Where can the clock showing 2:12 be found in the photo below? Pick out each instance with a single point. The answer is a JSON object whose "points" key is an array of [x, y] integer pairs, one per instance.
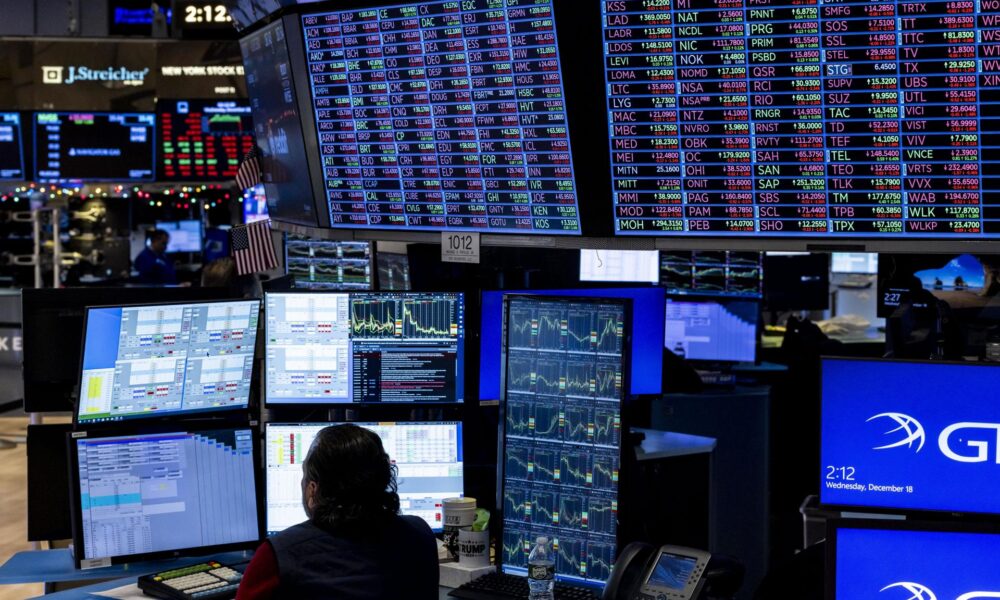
{"points": [[206, 13]]}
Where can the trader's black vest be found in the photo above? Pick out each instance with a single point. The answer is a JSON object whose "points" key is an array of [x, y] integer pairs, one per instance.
{"points": [[313, 564]]}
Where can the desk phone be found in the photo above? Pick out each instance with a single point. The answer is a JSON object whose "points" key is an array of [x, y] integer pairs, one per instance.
{"points": [[644, 572], [205, 581]]}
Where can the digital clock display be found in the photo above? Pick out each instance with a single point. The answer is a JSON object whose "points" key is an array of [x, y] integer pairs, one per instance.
{"points": [[210, 13]]}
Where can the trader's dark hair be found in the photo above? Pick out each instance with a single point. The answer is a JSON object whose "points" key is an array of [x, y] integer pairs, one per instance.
{"points": [[157, 234], [356, 481]]}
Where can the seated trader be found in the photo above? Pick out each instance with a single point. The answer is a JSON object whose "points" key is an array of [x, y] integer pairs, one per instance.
{"points": [[355, 545], [153, 264]]}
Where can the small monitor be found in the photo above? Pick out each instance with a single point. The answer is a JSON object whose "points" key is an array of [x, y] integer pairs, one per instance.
{"points": [[854, 263], [715, 330], [152, 495], [963, 282], [902, 437], [393, 271], [428, 458], [365, 348], [185, 236], [646, 374], [155, 360], [621, 266], [796, 282], [712, 273], [565, 380], [327, 264], [912, 561]]}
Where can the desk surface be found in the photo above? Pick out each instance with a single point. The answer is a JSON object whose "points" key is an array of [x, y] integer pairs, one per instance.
{"points": [[50, 566]]}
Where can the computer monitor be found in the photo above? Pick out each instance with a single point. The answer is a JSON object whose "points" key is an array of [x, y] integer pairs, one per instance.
{"points": [[428, 457], [712, 273], [854, 263], [912, 561], [714, 330], [963, 282], [646, 370], [185, 236], [95, 146], [365, 348], [155, 360], [149, 495], [565, 380], [327, 264], [53, 326], [621, 266], [796, 282], [903, 437], [48, 482], [393, 271]]}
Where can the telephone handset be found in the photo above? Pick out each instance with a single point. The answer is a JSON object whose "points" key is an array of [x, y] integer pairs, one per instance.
{"points": [[644, 572]]}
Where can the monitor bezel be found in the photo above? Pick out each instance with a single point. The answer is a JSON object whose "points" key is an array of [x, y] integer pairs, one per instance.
{"points": [[372, 265], [214, 411], [462, 367], [941, 515], [721, 300], [159, 429], [833, 527], [624, 479], [266, 437]]}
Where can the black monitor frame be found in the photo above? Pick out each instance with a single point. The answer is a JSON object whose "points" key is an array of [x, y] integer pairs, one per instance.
{"points": [[245, 411], [155, 429], [625, 481]]}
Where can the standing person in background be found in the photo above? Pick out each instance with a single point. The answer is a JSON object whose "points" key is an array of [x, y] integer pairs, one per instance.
{"points": [[153, 264]]}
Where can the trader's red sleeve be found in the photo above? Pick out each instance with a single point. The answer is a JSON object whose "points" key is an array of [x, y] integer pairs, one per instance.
{"points": [[260, 580]]}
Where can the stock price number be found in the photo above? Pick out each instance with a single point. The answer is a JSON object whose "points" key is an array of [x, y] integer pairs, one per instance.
{"points": [[839, 473]]}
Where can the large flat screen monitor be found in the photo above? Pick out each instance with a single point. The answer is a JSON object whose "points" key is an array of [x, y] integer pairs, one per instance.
{"points": [[646, 373], [365, 348], [428, 458], [203, 140], [854, 263], [799, 281], [155, 360], [565, 381], [328, 265], [95, 146], [727, 122], [11, 148], [53, 326], [899, 437], [151, 495], [915, 561], [713, 330], [621, 266], [443, 116], [277, 124], [965, 283], [185, 236], [712, 273]]}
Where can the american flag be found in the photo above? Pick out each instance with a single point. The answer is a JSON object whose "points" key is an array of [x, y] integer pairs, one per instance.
{"points": [[248, 173], [253, 249]]}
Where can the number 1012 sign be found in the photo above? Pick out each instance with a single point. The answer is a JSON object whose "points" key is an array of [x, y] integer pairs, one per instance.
{"points": [[460, 247]]}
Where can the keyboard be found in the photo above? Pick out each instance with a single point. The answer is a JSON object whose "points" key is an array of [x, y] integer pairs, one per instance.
{"points": [[204, 581], [501, 586]]}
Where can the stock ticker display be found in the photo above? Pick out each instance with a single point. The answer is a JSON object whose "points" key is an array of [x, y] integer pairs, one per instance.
{"points": [[443, 115], [365, 348], [11, 147], [800, 117], [562, 433], [203, 140]]}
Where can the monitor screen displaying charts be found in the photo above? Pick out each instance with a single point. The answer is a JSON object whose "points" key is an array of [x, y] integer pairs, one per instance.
{"points": [[154, 360], [561, 450], [365, 348], [428, 458]]}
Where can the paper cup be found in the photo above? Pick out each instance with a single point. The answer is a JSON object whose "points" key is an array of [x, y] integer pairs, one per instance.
{"points": [[456, 514]]}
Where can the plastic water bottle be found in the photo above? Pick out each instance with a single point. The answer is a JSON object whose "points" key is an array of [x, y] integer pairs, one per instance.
{"points": [[541, 571]]}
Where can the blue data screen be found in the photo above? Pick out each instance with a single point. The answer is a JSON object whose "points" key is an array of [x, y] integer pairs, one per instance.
{"points": [[897, 435], [804, 118], [882, 563], [443, 115], [11, 147]]}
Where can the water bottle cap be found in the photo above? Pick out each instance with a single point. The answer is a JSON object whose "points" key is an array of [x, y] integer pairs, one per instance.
{"points": [[542, 540]]}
